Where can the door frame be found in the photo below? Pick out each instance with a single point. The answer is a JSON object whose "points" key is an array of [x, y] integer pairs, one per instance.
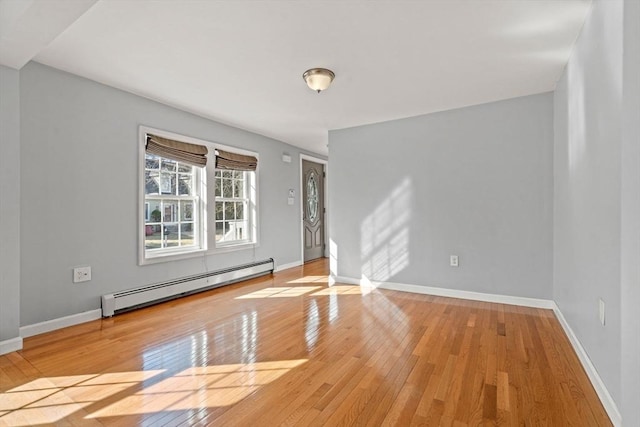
{"points": [[325, 218]]}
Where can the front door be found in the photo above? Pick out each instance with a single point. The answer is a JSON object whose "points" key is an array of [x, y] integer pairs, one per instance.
{"points": [[313, 210]]}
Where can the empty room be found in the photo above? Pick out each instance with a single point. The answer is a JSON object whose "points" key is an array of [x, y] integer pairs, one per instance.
{"points": [[320, 213]]}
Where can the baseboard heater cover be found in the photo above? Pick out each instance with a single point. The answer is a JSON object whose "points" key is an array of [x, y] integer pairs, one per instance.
{"points": [[131, 299]]}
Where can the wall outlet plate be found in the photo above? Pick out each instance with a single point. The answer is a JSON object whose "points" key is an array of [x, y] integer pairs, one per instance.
{"points": [[453, 260], [81, 274]]}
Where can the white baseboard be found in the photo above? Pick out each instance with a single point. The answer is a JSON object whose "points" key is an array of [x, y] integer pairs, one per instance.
{"points": [[606, 399], [451, 293], [345, 280], [10, 345], [289, 265], [62, 322]]}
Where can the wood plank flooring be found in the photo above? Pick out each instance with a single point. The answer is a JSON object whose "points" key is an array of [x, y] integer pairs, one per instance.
{"points": [[287, 350]]}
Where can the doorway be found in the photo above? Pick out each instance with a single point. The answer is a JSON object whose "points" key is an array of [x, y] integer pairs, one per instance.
{"points": [[313, 208]]}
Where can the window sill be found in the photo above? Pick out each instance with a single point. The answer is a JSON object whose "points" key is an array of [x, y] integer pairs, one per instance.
{"points": [[171, 256], [233, 247], [176, 256]]}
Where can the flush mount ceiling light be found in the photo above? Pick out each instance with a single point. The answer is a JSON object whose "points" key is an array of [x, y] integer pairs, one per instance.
{"points": [[318, 79]]}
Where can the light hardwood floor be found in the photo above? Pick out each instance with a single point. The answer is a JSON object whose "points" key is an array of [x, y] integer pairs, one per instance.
{"points": [[289, 350]]}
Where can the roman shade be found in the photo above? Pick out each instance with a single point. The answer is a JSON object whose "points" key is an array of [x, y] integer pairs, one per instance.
{"points": [[192, 154], [233, 161]]}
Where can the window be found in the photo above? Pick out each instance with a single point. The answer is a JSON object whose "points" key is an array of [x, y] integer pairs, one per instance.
{"points": [[232, 206], [171, 204], [179, 175]]}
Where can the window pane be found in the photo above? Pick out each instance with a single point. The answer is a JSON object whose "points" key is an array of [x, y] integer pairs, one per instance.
{"points": [[184, 184], [186, 234], [241, 230], [218, 187], [219, 231], [238, 174], [229, 211], [152, 162], [187, 211], [168, 183], [239, 210], [227, 188], [185, 168], [238, 190], [219, 210], [151, 182], [155, 215], [170, 212], [229, 231], [168, 165], [227, 174], [170, 235], [152, 238], [235, 230]]}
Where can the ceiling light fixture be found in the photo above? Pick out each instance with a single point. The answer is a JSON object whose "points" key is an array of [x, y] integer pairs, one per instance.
{"points": [[318, 79]]}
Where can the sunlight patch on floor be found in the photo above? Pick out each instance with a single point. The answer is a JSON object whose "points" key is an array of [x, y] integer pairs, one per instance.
{"points": [[280, 292], [309, 279], [200, 387], [48, 400], [339, 290]]}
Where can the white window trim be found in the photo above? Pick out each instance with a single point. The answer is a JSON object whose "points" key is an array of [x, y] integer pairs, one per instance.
{"points": [[207, 192], [145, 258]]}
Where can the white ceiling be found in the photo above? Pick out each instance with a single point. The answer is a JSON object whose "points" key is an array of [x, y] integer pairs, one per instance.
{"points": [[241, 62]]}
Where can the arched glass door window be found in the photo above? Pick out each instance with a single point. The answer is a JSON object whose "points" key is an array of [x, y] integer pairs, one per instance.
{"points": [[312, 197]]}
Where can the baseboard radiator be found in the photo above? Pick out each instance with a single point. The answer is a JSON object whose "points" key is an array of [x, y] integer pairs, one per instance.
{"points": [[132, 299]]}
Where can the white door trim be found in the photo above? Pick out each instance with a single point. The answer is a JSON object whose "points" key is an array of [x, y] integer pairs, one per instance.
{"points": [[326, 203]]}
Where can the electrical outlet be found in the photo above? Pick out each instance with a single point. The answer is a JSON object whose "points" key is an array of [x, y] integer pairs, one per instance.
{"points": [[453, 260], [601, 310], [81, 274]]}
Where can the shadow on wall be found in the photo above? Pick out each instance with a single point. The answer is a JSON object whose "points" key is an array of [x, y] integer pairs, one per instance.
{"points": [[384, 236]]}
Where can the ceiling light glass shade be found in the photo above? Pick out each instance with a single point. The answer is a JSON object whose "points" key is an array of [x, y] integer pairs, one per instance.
{"points": [[318, 78]]}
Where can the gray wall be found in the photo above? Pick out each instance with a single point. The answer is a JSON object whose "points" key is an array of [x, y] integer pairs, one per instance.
{"points": [[9, 203], [79, 192], [475, 182], [630, 219], [587, 204]]}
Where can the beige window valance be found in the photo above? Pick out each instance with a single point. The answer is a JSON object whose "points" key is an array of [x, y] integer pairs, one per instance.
{"points": [[192, 154], [233, 161]]}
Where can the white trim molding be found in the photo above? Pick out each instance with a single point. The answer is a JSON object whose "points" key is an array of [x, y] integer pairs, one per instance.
{"points": [[287, 266], [10, 345], [451, 293], [59, 323], [604, 395]]}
